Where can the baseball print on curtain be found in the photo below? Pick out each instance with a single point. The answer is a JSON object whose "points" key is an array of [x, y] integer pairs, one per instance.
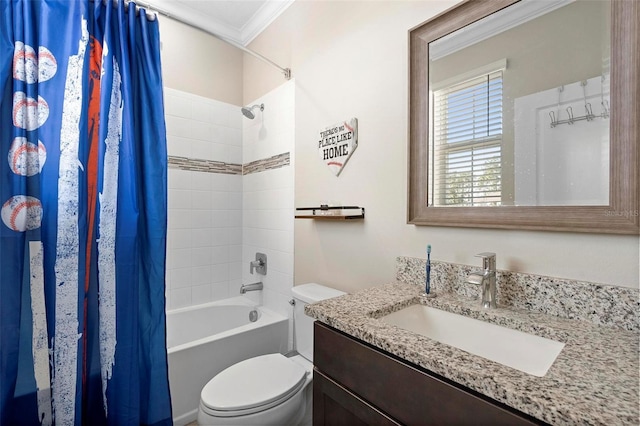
{"points": [[83, 184]]}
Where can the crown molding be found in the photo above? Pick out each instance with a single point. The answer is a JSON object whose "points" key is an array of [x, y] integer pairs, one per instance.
{"points": [[492, 25]]}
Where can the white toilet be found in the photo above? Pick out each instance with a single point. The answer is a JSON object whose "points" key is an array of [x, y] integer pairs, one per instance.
{"points": [[270, 389]]}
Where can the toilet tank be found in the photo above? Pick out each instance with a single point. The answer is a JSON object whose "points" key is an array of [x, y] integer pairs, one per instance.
{"points": [[303, 324]]}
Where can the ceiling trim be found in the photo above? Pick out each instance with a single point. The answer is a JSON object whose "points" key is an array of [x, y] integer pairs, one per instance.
{"points": [[269, 11], [492, 25]]}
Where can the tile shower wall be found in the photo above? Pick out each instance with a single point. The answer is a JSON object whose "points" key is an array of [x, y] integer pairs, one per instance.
{"points": [[268, 210], [218, 216], [204, 241]]}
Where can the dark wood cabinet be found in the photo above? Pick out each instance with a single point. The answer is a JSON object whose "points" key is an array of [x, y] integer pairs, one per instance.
{"points": [[355, 383]]}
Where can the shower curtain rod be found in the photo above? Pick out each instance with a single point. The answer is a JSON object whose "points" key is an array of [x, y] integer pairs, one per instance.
{"points": [[285, 71]]}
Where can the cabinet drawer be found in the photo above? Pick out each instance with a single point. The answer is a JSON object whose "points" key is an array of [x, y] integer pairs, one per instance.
{"points": [[405, 393]]}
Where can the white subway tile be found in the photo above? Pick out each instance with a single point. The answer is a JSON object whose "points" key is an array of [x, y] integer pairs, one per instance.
{"points": [[234, 154], [219, 113], [219, 152], [221, 290], [178, 239], [219, 219], [200, 237], [201, 219], [235, 201], [235, 271], [201, 131], [181, 277], [201, 200], [179, 146], [180, 298], [178, 199], [179, 179], [235, 183], [201, 294], [218, 182], [201, 275], [219, 254], [234, 287], [201, 110], [218, 133], [235, 235], [235, 253], [179, 258], [201, 150], [220, 200], [235, 218], [220, 237], [219, 273], [179, 219], [201, 256], [201, 181]]}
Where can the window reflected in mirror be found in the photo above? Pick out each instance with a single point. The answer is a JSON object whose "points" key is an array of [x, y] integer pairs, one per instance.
{"points": [[519, 108]]}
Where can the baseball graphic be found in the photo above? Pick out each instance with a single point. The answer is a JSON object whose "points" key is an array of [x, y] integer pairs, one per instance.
{"points": [[22, 213], [18, 61], [26, 158], [30, 68], [28, 113], [47, 65]]}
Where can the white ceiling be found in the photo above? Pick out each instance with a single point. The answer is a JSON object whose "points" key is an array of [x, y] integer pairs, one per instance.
{"points": [[237, 20]]}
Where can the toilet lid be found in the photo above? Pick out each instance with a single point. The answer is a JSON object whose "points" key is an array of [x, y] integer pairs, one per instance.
{"points": [[252, 383]]}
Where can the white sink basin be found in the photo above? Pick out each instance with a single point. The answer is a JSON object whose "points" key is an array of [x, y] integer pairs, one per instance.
{"points": [[525, 352]]}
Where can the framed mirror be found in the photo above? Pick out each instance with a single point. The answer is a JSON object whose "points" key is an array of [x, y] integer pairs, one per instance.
{"points": [[524, 115]]}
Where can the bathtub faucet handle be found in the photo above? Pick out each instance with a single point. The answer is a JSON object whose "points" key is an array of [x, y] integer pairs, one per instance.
{"points": [[259, 265]]}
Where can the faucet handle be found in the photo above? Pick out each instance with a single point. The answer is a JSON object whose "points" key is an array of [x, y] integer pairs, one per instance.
{"points": [[488, 260], [259, 265]]}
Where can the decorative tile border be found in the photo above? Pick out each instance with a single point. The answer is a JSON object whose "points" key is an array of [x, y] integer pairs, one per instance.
{"points": [[210, 166], [274, 162], [600, 304], [207, 166]]}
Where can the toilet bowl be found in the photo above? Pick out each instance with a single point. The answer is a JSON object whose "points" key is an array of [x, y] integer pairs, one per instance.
{"points": [[271, 389]]}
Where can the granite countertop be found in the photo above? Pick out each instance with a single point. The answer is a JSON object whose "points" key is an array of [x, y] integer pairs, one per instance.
{"points": [[594, 380]]}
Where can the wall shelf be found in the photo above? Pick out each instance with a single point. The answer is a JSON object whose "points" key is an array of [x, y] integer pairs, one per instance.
{"points": [[325, 212]]}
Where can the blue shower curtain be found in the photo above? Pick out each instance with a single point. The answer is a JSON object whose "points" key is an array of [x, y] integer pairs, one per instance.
{"points": [[83, 204]]}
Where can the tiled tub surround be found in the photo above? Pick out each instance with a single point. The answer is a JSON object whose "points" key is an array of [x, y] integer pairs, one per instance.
{"points": [[230, 195], [594, 380]]}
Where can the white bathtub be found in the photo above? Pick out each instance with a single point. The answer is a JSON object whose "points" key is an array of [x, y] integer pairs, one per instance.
{"points": [[205, 339]]}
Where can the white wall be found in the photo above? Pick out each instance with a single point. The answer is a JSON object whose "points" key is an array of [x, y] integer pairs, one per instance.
{"points": [[267, 223], [195, 62], [350, 59], [204, 237]]}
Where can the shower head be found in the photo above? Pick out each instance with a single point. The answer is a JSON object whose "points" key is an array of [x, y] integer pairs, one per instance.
{"points": [[248, 111]]}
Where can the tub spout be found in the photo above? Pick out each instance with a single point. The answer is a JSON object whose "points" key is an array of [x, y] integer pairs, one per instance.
{"points": [[250, 287]]}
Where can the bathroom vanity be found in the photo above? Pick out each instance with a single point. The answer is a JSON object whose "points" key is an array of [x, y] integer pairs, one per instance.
{"points": [[368, 371], [366, 385]]}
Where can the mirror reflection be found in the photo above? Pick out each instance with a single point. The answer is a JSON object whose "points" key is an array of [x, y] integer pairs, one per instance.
{"points": [[520, 115]]}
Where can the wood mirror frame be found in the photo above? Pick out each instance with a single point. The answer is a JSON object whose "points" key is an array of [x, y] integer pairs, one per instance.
{"points": [[621, 216]]}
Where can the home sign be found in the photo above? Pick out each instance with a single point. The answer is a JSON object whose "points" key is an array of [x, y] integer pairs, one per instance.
{"points": [[337, 143]]}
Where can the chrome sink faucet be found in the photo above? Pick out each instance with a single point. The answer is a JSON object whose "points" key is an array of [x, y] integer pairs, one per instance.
{"points": [[486, 279]]}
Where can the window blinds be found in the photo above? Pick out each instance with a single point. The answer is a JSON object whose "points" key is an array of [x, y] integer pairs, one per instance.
{"points": [[467, 140]]}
